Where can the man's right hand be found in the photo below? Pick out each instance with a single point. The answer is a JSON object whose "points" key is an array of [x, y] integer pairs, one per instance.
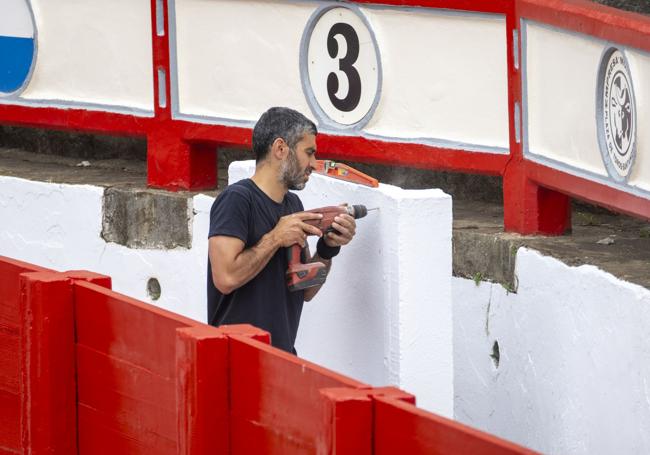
{"points": [[292, 229]]}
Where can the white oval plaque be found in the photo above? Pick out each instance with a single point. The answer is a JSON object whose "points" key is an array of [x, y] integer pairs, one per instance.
{"points": [[616, 115], [340, 66]]}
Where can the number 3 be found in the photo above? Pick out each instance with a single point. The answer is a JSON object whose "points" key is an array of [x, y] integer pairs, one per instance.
{"points": [[346, 65]]}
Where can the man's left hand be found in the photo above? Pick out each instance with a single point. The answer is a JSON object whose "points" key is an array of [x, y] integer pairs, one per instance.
{"points": [[345, 227]]}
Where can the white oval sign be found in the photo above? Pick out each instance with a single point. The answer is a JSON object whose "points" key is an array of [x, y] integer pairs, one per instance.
{"points": [[616, 115], [340, 66]]}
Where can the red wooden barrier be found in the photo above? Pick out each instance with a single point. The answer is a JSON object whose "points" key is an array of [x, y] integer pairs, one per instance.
{"points": [[202, 391], [126, 373], [401, 428], [10, 321], [104, 373], [275, 399]]}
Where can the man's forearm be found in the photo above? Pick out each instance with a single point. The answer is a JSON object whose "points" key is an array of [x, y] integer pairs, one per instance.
{"points": [[249, 262]]}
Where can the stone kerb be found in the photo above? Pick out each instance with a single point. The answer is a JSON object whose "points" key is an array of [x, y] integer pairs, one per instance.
{"points": [[384, 315]]}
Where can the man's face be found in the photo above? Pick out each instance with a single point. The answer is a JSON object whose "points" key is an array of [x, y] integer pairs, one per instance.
{"points": [[299, 163]]}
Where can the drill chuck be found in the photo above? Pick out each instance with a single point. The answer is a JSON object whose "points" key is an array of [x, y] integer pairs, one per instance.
{"points": [[358, 211]]}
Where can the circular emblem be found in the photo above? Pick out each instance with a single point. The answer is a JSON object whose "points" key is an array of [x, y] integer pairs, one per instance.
{"points": [[17, 46], [340, 66], [616, 117]]}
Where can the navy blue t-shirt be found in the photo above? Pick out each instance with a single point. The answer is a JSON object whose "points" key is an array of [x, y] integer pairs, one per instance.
{"points": [[244, 211]]}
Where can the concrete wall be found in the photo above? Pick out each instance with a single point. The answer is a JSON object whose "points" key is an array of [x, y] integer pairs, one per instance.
{"points": [[383, 318], [573, 375]]}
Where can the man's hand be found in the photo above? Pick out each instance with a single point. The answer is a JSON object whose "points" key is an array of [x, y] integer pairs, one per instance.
{"points": [[292, 229], [345, 227]]}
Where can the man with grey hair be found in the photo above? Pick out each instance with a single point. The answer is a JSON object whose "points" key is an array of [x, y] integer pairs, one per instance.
{"points": [[254, 221]]}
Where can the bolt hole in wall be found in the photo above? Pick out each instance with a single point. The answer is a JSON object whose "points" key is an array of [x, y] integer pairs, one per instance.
{"points": [[153, 289], [495, 354]]}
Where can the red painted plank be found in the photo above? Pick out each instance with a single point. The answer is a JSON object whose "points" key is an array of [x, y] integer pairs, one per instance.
{"points": [[202, 391], [48, 385], [588, 190], [409, 154], [129, 400], [97, 436], [275, 399], [587, 17], [9, 361], [10, 269], [10, 407], [402, 428], [9, 422], [127, 329], [347, 422], [75, 120]]}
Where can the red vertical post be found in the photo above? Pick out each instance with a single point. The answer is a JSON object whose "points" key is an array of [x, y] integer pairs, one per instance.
{"points": [[48, 373], [528, 208], [347, 422], [202, 391], [172, 162]]}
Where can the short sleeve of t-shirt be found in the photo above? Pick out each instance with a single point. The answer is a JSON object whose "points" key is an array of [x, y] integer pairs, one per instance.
{"points": [[230, 215]]}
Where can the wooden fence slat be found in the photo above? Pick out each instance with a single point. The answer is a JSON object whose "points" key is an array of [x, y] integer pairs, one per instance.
{"points": [[202, 391], [48, 385], [275, 400], [400, 427]]}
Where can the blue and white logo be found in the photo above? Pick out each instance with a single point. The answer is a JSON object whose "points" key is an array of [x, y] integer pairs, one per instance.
{"points": [[17, 45]]}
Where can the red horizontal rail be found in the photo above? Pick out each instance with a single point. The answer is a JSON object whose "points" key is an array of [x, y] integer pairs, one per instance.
{"points": [[588, 190], [76, 119], [588, 17]]}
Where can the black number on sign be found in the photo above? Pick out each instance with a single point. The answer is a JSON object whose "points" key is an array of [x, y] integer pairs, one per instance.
{"points": [[346, 65]]}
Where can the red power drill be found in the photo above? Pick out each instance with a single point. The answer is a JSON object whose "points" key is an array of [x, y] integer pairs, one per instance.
{"points": [[301, 275]]}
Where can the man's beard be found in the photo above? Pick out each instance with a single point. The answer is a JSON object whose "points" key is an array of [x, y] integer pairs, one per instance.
{"points": [[293, 177]]}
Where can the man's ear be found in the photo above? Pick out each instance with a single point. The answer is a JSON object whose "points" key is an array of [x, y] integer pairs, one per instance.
{"points": [[279, 149]]}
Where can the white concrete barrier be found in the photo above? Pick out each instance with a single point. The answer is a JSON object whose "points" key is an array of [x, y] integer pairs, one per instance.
{"points": [[573, 375]]}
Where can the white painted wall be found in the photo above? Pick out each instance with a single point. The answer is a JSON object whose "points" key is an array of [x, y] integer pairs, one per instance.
{"points": [[59, 226], [384, 316], [94, 51], [574, 373]]}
